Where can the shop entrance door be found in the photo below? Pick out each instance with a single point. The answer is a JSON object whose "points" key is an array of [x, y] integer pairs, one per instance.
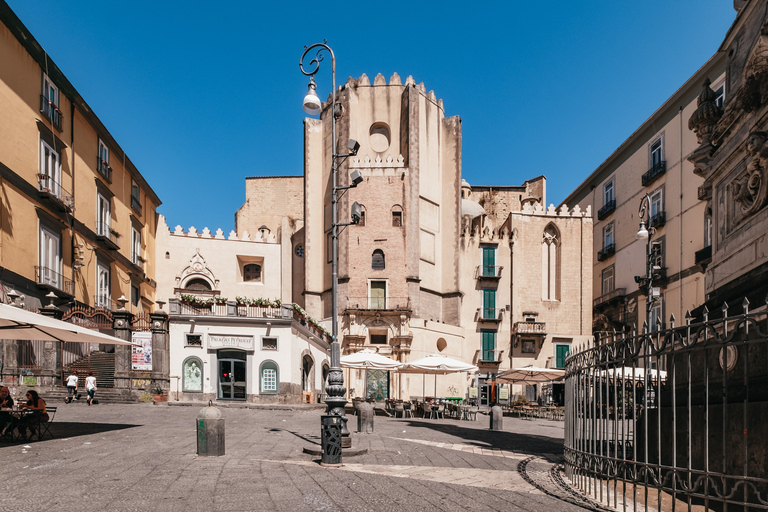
{"points": [[232, 375]]}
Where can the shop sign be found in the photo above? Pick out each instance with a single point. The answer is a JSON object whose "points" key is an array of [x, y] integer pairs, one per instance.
{"points": [[230, 341]]}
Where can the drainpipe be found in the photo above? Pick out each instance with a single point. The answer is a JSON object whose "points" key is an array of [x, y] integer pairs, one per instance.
{"points": [[680, 114]]}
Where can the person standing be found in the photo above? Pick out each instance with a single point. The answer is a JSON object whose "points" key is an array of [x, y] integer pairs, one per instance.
{"points": [[90, 387], [71, 387]]}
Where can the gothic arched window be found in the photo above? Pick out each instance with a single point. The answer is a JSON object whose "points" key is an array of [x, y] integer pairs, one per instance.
{"points": [[198, 285], [550, 264]]}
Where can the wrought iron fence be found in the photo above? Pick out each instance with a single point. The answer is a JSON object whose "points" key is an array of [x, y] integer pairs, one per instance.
{"points": [[675, 418]]}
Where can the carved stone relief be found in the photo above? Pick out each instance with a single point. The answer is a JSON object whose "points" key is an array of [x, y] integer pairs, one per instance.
{"points": [[748, 189]]}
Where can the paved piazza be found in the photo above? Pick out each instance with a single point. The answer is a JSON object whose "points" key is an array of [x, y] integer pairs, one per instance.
{"points": [[142, 457]]}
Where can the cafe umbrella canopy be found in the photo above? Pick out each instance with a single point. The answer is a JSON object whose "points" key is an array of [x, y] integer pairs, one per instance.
{"points": [[436, 364], [368, 359], [530, 375], [20, 324]]}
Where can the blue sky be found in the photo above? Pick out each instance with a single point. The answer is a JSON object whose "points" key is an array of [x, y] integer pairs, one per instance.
{"points": [[202, 94]]}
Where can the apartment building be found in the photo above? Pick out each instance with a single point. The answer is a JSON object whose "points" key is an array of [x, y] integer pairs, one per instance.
{"points": [[77, 218], [650, 169]]}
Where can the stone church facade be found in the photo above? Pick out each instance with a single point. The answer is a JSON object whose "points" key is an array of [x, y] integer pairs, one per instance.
{"points": [[485, 274]]}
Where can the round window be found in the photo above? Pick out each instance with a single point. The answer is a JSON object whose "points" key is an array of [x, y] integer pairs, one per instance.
{"points": [[379, 137], [441, 344]]}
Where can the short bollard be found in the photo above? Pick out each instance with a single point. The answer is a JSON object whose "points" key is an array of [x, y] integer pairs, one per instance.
{"points": [[210, 431], [365, 416], [330, 439], [497, 418]]}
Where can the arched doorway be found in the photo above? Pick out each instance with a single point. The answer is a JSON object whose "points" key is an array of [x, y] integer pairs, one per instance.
{"points": [[232, 374], [307, 364]]}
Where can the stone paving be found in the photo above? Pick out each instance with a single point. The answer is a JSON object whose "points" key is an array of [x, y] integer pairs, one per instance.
{"points": [[142, 457]]}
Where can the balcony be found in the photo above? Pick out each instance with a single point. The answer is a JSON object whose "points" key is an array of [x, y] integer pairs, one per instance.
{"points": [[104, 169], [654, 173], [379, 303], [607, 251], [53, 281], [704, 256], [138, 261], [51, 111], [659, 279], [107, 235], [606, 210], [659, 219], [530, 328], [489, 315], [606, 298], [51, 190], [488, 272]]}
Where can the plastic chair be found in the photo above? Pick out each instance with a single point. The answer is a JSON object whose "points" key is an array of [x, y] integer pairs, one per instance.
{"points": [[440, 411], [399, 409], [407, 410]]}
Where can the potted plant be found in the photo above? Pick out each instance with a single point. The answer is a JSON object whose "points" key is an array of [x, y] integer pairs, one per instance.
{"points": [[158, 395]]}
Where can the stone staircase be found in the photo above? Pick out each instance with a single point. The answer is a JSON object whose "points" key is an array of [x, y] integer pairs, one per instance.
{"points": [[58, 394], [102, 364]]}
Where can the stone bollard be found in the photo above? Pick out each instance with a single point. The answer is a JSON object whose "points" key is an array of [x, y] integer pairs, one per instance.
{"points": [[497, 418], [210, 431], [365, 416]]}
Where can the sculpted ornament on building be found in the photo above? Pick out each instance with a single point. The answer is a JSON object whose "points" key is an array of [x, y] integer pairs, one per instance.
{"points": [[197, 268], [749, 188]]}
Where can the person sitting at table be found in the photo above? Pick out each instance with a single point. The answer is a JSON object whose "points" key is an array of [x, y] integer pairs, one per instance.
{"points": [[34, 403], [5, 402]]}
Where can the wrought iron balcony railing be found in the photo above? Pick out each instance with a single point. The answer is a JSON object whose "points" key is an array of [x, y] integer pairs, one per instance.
{"points": [[606, 210], [51, 111], [489, 314], [654, 172], [136, 204], [618, 293], [52, 280], [106, 234], [607, 251], [53, 191], [659, 219], [104, 169]]}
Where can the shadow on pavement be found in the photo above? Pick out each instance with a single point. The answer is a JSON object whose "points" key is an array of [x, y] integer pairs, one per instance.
{"points": [[502, 440], [63, 429]]}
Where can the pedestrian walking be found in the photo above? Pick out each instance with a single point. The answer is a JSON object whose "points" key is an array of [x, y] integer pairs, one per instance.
{"points": [[90, 387], [71, 387]]}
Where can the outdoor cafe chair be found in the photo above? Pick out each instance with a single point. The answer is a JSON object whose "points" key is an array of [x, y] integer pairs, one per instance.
{"points": [[407, 410], [399, 409], [440, 411], [44, 427]]}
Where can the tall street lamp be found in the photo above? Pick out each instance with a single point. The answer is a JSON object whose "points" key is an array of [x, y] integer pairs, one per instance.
{"points": [[653, 250], [335, 390]]}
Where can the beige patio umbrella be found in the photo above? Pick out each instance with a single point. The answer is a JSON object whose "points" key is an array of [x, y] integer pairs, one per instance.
{"points": [[20, 324], [530, 375], [369, 359], [436, 364]]}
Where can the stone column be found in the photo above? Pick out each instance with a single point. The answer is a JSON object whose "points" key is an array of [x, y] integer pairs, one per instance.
{"points": [[161, 346], [51, 371], [121, 323]]}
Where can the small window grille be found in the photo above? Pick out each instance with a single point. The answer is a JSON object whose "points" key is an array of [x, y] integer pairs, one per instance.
{"points": [[195, 340], [378, 339], [268, 343]]}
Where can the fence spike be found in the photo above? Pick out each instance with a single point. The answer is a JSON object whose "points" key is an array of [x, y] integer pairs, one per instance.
{"points": [[688, 317], [725, 309], [672, 321], [745, 305], [705, 312]]}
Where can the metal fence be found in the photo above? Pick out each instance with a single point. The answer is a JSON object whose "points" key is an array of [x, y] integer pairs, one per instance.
{"points": [[672, 419]]}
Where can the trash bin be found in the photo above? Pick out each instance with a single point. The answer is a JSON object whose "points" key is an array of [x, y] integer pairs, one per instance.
{"points": [[330, 439]]}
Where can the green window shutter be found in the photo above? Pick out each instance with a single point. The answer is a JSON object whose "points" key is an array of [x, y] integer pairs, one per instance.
{"points": [[560, 355], [489, 261], [489, 303], [489, 345]]}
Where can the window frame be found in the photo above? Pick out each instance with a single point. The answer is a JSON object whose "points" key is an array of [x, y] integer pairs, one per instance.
{"points": [[277, 343], [50, 167], [51, 106], [103, 161], [135, 197], [136, 258], [103, 214], [609, 191], [608, 274], [374, 264], [49, 253], [489, 297], [486, 336], [719, 91], [103, 297], [527, 343], [609, 234], [188, 335], [385, 283], [259, 279], [555, 346]]}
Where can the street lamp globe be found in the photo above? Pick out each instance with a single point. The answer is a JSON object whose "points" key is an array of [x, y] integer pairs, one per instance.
{"points": [[311, 100], [642, 232]]}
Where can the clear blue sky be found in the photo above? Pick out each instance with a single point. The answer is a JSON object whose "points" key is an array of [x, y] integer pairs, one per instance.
{"points": [[202, 94]]}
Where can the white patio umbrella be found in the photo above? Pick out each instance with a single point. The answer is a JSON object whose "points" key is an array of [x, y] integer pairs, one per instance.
{"points": [[636, 374], [20, 324], [436, 364], [369, 359], [530, 375]]}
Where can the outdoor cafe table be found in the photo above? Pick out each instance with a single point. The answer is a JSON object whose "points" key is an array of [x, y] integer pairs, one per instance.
{"points": [[11, 419]]}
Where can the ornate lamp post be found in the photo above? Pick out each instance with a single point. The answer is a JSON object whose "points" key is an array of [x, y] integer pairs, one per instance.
{"points": [[335, 389], [652, 248]]}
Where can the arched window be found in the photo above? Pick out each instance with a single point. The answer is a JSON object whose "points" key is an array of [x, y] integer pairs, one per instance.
{"points": [[377, 261], [397, 216], [550, 277], [269, 378], [252, 273], [198, 285], [192, 375]]}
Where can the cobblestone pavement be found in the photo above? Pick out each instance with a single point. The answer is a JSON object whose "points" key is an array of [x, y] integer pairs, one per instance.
{"points": [[142, 457]]}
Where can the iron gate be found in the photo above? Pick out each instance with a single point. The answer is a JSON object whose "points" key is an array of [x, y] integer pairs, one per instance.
{"points": [[672, 418]]}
